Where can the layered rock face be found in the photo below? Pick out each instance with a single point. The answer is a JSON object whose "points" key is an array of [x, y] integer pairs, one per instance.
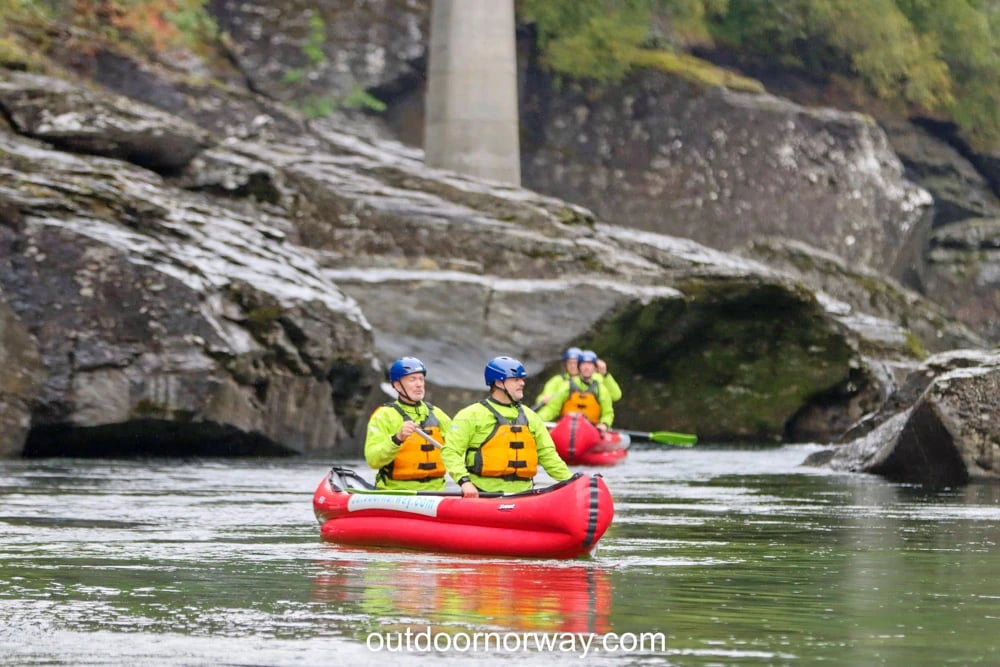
{"points": [[224, 306], [153, 306], [213, 273], [723, 167], [20, 379]]}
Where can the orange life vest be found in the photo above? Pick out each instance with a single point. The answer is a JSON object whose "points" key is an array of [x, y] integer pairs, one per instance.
{"points": [[417, 459], [583, 401], [509, 451]]}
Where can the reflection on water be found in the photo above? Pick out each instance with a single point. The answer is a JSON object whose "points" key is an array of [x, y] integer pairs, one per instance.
{"points": [[735, 555], [511, 594]]}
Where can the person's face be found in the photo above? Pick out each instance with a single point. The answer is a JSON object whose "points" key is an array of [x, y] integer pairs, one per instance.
{"points": [[571, 366], [412, 386], [514, 387], [587, 369]]}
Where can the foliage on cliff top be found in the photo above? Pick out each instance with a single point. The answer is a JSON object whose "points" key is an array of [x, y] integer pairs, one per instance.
{"points": [[157, 25], [601, 40], [920, 56]]}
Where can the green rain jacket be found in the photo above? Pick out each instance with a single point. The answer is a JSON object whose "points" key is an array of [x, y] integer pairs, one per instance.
{"points": [[380, 450], [552, 387], [550, 411], [612, 385], [470, 428]]}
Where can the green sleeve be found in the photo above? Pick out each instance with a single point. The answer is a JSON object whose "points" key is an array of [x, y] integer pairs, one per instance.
{"points": [[607, 405], [460, 433], [380, 450], [550, 411], [548, 457], [550, 388], [613, 389]]}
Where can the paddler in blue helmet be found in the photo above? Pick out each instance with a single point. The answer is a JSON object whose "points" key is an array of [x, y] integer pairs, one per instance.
{"points": [[497, 444], [403, 457], [557, 381], [584, 394], [610, 383]]}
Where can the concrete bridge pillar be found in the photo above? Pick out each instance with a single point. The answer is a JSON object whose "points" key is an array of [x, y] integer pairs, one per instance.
{"points": [[471, 122]]}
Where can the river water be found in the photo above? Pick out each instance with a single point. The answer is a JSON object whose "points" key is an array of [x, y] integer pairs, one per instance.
{"points": [[717, 556]]}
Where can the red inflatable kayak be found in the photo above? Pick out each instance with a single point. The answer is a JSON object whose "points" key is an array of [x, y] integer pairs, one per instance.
{"points": [[580, 443], [564, 520]]}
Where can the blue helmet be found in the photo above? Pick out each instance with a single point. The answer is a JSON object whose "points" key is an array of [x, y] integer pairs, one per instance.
{"points": [[571, 353], [502, 368], [587, 355], [405, 366]]}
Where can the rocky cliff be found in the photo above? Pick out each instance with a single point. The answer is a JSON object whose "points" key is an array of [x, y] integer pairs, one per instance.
{"points": [[192, 266]]}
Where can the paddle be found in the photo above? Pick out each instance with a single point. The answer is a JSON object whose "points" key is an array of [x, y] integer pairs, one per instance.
{"points": [[663, 437], [416, 492], [660, 437], [389, 391], [367, 489], [427, 436], [457, 494]]}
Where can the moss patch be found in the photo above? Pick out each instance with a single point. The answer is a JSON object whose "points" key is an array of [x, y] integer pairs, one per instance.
{"points": [[695, 69], [734, 361]]}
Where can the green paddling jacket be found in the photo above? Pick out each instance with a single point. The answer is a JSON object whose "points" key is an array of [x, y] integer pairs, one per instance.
{"points": [[551, 410], [470, 428], [380, 450]]}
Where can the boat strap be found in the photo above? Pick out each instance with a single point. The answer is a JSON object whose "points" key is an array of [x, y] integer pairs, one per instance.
{"points": [[345, 474], [593, 513]]}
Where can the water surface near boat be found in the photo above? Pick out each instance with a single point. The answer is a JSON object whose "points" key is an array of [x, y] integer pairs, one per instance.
{"points": [[718, 555]]}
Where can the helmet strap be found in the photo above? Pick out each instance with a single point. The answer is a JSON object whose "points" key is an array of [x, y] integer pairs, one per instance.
{"points": [[401, 395], [503, 387]]}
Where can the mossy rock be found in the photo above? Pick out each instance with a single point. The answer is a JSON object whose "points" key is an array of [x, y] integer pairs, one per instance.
{"points": [[735, 360]]}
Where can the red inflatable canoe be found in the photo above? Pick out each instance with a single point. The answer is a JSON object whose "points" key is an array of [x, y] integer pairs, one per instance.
{"points": [[580, 443], [564, 520]]}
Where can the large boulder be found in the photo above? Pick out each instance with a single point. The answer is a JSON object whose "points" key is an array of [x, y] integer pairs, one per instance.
{"points": [[663, 153], [79, 119], [940, 429], [320, 53], [170, 323], [20, 380]]}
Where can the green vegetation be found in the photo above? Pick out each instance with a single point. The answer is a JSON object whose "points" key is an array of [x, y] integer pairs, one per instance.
{"points": [[145, 24], [694, 68], [601, 40], [312, 49], [319, 106], [359, 98], [13, 10], [157, 26], [933, 57], [264, 316], [13, 53]]}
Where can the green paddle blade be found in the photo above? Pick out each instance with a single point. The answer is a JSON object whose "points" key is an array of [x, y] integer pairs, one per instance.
{"points": [[676, 439], [663, 437], [666, 438]]}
